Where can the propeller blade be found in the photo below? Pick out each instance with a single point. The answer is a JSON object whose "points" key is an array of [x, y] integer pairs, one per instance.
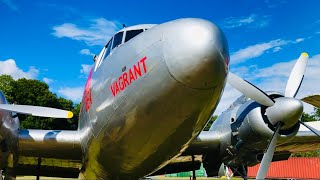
{"points": [[296, 76], [310, 128], [249, 90], [267, 157], [37, 111]]}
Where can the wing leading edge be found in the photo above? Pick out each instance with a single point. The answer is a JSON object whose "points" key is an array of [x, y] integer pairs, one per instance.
{"points": [[313, 100], [55, 153], [305, 140]]}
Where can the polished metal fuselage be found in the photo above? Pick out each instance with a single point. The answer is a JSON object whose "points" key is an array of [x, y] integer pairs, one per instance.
{"points": [[138, 130]]}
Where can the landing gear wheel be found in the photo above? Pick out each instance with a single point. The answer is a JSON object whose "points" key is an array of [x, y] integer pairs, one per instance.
{"points": [[211, 165]]}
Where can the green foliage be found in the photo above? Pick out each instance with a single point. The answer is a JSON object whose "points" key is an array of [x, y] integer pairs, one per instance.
{"points": [[209, 124], [317, 113], [307, 154], [308, 118], [7, 86], [34, 92]]}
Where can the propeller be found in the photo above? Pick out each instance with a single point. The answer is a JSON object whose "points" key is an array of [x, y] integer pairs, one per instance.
{"points": [[253, 92], [249, 90], [282, 112], [296, 76], [310, 128], [37, 111], [267, 157]]}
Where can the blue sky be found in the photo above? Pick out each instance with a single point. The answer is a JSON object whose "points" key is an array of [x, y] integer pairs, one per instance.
{"points": [[53, 41]]}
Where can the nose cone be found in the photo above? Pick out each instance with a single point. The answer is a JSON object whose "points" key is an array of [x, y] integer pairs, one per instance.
{"points": [[286, 110], [196, 53]]}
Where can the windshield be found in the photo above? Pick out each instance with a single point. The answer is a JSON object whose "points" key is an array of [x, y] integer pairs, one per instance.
{"points": [[131, 34]]}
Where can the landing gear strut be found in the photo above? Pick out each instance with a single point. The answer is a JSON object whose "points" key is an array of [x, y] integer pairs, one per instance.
{"points": [[242, 171], [193, 171]]}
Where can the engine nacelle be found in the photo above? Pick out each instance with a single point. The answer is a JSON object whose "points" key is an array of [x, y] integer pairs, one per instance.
{"points": [[246, 131], [256, 126]]}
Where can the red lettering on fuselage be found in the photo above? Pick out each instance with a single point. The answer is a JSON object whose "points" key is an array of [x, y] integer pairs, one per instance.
{"points": [[132, 78], [144, 64], [129, 77], [137, 70], [121, 83], [125, 79], [87, 96]]}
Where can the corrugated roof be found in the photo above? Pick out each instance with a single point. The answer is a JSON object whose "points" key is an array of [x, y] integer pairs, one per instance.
{"points": [[295, 167]]}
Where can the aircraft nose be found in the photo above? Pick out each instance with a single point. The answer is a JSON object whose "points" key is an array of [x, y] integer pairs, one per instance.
{"points": [[196, 53]]}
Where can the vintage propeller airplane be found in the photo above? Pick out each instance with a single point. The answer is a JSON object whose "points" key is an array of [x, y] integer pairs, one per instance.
{"points": [[255, 122], [149, 94]]}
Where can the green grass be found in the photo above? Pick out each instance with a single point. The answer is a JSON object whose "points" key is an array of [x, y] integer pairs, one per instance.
{"points": [[155, 178], [41, 178]]}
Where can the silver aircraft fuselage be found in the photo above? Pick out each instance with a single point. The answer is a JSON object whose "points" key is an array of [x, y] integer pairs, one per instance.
{"points": [[150, 97]]}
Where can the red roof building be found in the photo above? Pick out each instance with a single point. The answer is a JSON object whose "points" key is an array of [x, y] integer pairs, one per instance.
{"points": [[294, 167]]}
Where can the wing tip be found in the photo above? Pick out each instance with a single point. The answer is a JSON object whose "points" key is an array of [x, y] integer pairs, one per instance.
{"points": [[70, 114], [305, 54]]}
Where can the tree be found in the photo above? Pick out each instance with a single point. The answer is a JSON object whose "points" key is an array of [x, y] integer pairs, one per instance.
{"points": [[317, 113], [307, 117], [7, 86], [210, 122], [34, 92]]}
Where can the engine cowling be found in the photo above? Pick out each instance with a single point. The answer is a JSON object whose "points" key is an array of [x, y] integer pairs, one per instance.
{"points": [[249, 132], [259, 125], [253, 129]]}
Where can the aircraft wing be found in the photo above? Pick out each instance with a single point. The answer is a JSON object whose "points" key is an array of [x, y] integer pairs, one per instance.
{"points": [[305, 140], [208, 142], [313, 100], [55, 153]]}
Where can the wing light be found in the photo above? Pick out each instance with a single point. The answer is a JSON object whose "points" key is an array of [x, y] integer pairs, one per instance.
{"points": [[37, 111]]}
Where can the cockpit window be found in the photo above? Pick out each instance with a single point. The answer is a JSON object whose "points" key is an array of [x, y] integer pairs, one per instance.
{"points": [[117, 40], [108, 48], [132, 33]]}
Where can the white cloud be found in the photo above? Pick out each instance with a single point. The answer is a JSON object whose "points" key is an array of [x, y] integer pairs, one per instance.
{"points": [[255, 50], [10, 67], [299, 40], [72, 93], [47, 80], [86, 52], [96, 33], [276, 49], [85, 68], [10, 4], [253, 20], [274, 78]]}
